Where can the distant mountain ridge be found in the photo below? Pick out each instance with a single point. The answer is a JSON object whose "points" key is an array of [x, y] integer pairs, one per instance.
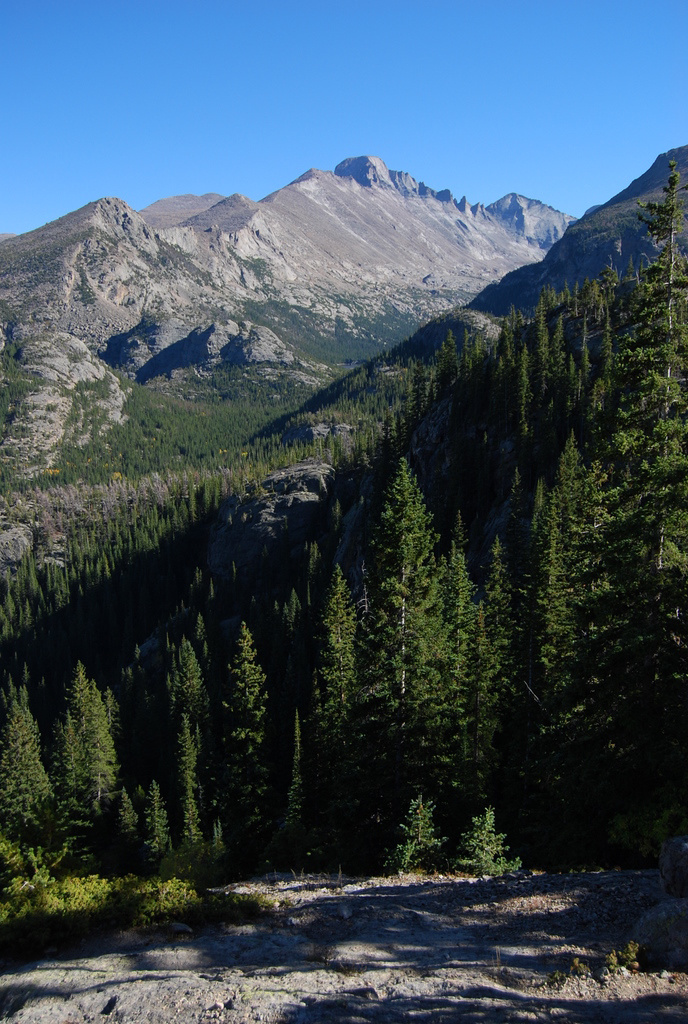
{"points": [[328, 268], [167, 212], [609, 234], [344, 236], [326, 257]]}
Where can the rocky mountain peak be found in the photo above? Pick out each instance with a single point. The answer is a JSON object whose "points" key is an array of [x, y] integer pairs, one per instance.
{"points": [[116, 219], [366, 170], [351, 258], [230, 214], [371, 170], [539, 223], [165, 213]]}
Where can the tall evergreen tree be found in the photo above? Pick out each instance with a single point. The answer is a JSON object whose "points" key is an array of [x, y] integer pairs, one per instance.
{"points": [[399, 675], [447, 363], [337, 658], [157, 825], [188, 692], [459, 613], [635, 700], [246, 772], [128, 832], [25, 789], [187, 757], [85, 762]]}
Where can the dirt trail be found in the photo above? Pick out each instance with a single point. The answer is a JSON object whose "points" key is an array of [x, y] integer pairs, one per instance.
{"points": [[374, 950]]}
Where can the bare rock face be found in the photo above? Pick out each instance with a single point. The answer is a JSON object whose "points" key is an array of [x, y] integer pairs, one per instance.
{"points": [[153, 350], [318, 432], [673, 866], [290, 509], [165, 213], [540, 224], [361, 256], [663, 933], [15, 541]]}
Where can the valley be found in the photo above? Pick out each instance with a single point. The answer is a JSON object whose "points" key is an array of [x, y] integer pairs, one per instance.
{"points": [[263, 611]]}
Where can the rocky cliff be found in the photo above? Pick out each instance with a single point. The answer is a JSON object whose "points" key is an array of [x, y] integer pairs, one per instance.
{"points": [[288, 510]]}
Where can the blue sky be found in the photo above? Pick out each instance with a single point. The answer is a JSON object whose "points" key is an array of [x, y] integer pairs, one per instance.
{"points": [[561, 101]]}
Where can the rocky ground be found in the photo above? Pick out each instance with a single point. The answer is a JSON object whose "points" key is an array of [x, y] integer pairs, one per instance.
{"points": [[334, 950]]}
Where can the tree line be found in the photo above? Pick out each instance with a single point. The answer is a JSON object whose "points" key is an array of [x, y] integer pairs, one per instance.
{"points": [[512, 638]]}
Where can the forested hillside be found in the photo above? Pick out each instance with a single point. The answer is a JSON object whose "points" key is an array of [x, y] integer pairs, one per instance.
{"points": [[608, 235], [510, 636]]}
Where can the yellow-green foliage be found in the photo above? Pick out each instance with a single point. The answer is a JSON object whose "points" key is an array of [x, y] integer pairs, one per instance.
{"points": [[199, 863], [632, 957], [36, 912]]}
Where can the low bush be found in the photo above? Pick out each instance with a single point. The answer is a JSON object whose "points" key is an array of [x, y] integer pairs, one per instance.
{"points": [[37, 912]]}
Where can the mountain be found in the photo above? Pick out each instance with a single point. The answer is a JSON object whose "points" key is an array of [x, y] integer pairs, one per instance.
{"points": [[607, 235], [376, 241], [165, 213], [539, 224], [327, 269]]}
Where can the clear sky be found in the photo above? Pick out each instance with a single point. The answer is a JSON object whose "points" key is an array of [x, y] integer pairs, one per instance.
{"points": [[565, 101]]}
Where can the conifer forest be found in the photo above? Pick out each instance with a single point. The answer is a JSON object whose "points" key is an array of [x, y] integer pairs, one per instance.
{"points": [[489, 620]]}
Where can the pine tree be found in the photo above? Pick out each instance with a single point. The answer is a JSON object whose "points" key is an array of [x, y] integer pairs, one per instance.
{"points": [[188, 692], [447, 363], [499, 621], [541, 357], [187, 756], [157, 827], [128, 831], [459, 613], [85, 764], [25, 789], [337, 658], [419, 849], [399, 671], [293, 819], [246, 773], [635, 702], [330, 766], [481, 708], [288, 846]]}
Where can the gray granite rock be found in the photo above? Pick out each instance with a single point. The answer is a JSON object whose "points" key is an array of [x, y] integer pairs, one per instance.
{"points": [[290, 509], [673, 866], [15, 541], [663, 934]]}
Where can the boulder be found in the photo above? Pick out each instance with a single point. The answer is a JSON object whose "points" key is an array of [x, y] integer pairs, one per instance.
{"points": [[663, 934], [673, 866], [15, 541], [289, 509]]}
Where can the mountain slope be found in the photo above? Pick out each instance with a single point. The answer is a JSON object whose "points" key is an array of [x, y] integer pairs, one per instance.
{"points": [[328, 268], [165, 213], [369, 232], [607, 235]]}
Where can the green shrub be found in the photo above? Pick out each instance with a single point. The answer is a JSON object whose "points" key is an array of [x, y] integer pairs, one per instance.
{"points": [[483, 851], [420, 849], [37, 913], [632, 957], [197, 861]]}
